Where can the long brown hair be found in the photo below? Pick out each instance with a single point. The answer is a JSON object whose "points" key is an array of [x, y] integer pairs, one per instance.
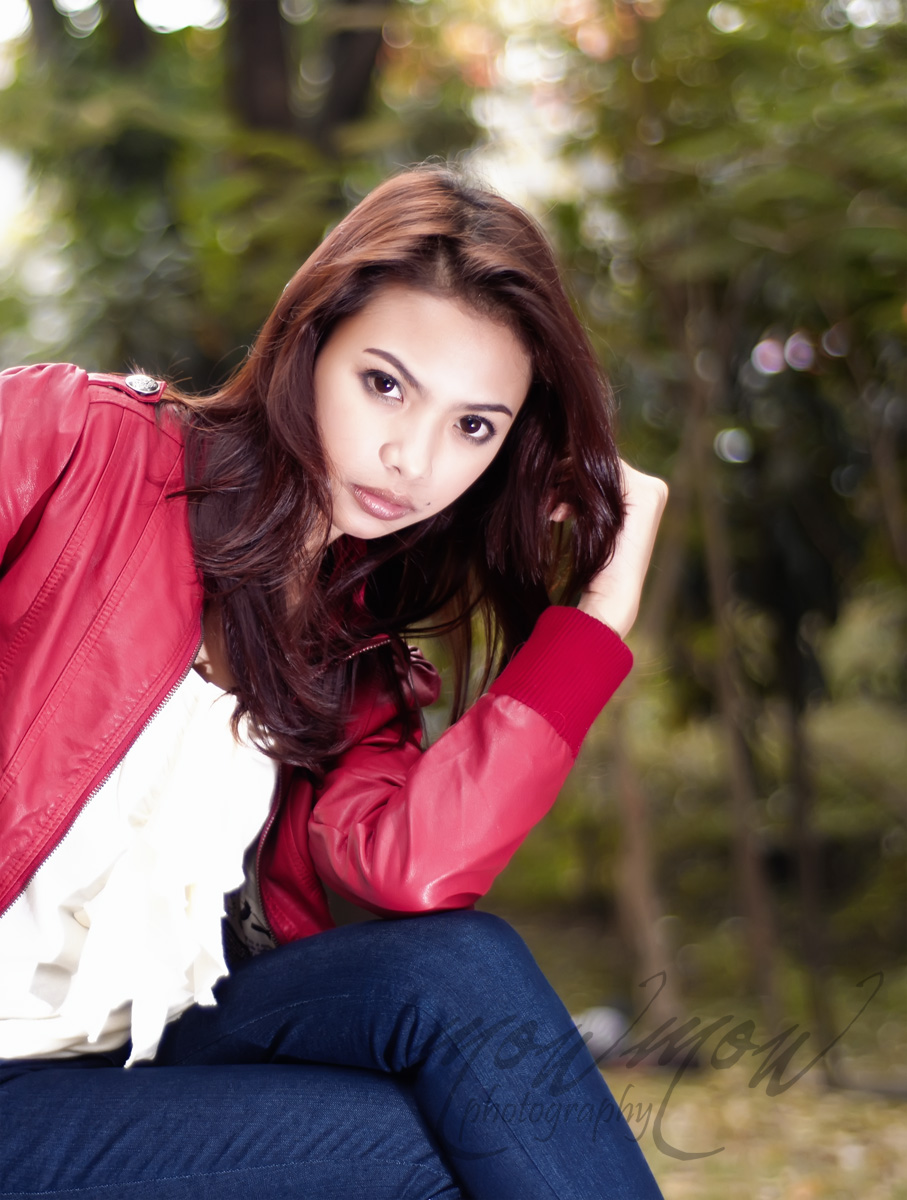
{"points": [[295, 610]]}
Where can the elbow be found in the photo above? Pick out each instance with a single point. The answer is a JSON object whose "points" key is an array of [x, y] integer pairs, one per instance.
{"points": [[407, 896]]}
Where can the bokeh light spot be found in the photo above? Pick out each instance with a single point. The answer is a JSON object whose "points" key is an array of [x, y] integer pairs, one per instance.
{"points": [[727, 18], [768, 357], [734, 446], [15, 20], [166, 16], [863, 14], [836, 341], [799, 352]]}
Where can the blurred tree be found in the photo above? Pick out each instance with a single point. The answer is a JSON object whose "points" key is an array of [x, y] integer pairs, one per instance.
{"points": [[181, 178], [353, 47], [46, 25], [729, 190], [259, 64], [726, 184], [739, 177]]}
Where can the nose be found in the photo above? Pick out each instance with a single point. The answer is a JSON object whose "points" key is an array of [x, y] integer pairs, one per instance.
{"points": [[409, 452]]}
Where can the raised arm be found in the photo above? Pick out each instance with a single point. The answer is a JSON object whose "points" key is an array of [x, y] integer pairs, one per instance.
{"points": [[402, 831], [614, 594]]}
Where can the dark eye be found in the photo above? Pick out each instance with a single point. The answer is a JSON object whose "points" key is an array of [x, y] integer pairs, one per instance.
{"points": [[383, 385], [476, 428]]}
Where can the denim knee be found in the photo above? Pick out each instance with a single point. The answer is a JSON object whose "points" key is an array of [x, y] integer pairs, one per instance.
{"points": [[469, 956], [482, 936]]}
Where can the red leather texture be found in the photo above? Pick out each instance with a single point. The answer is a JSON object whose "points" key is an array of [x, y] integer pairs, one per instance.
{"points": [[100, 618], [99, 600]]}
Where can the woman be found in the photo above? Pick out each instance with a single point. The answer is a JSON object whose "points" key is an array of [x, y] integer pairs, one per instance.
{"points": [[415, 420]]}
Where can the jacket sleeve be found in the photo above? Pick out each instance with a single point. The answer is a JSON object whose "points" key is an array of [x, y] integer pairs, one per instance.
{"points": [[43, 410], [399, 830]]}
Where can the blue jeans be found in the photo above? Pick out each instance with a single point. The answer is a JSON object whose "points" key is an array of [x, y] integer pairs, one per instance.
{"points": [[395, 1060]]}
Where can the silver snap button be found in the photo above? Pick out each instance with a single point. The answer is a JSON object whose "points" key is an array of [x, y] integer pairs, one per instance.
{"points": [[143, 384]]}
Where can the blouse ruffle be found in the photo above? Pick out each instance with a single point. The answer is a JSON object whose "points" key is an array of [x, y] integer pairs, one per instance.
{"points": [[120, 930]]}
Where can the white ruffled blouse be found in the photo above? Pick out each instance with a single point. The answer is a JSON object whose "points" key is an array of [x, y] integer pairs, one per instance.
{"points": [[120, 929]]}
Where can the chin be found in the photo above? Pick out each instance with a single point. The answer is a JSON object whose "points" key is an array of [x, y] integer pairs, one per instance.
{"points": [[360, 525]]}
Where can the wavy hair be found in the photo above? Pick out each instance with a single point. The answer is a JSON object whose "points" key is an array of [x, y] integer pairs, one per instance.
{"points": [[295, 610]]}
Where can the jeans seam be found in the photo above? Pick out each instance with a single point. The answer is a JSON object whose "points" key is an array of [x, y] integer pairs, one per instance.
{"points": [[520, 1145], [296, 1162], [287, 1007], [515, 1143]]}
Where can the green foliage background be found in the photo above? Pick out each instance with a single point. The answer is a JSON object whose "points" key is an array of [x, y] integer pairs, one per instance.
{"points": [[725, 184]]}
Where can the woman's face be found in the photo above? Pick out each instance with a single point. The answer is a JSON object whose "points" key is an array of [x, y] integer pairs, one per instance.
{"points": [[414, 396]]}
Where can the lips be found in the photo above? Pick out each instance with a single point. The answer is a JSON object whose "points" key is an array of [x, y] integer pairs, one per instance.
{"points": [[386, 506]]}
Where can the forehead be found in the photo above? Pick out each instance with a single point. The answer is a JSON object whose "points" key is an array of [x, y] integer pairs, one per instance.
{"points": [[443, 342]]}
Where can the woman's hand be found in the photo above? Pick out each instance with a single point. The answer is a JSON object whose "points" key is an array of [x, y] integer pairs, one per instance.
{"points": [[613, 594]]}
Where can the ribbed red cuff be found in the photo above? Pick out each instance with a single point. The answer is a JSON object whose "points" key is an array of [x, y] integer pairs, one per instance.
{"points": [[567, 671]]}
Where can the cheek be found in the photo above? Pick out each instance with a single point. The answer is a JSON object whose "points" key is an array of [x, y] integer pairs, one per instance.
{"points": [[332, 404], [340, 432], [463, 474]]}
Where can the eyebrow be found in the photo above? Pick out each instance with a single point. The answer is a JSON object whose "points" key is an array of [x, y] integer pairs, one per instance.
{"points": [[414, 383]]}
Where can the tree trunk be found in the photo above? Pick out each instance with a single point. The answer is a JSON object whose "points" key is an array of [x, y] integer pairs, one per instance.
{"points": [[131, 37], [883, 456], [258, 64], [47, 27], [352, 49], [640, 904], [663, 582], [813, 939], [754, 896], [639, 900], [882, 452]]}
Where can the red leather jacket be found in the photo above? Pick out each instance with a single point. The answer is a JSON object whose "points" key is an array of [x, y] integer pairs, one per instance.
{"points": [[100, 619]]}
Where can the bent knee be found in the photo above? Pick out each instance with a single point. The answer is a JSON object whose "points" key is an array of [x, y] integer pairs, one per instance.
{"points": [[464, 946]]}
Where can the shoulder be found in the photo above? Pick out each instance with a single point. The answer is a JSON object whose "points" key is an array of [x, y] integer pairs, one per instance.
{"points": [[49, 411], [60, 396], [50, 396], [63, 431]]}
